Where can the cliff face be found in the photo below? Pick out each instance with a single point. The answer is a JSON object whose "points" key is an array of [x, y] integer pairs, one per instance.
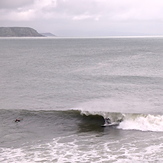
{"points": [[18, 32]]}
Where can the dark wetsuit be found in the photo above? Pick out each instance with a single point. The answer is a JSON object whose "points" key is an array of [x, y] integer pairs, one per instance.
{"points": [[107, 121], [17, 120]]}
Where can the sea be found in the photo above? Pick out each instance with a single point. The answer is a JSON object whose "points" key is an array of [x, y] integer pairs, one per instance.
{"points": [[61, 90]]}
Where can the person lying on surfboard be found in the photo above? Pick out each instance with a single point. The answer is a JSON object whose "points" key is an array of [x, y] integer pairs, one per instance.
{"points": [[17, 120]]}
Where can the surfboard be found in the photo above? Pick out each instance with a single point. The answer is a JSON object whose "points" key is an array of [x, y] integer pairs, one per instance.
{"points": [[110, 124]]}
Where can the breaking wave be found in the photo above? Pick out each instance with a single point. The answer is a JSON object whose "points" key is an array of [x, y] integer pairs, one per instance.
{"points": [[85, 120], [133, 121]]}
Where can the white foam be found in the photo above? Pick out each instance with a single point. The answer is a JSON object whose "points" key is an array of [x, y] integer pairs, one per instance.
{"points": [[87, 149], [143, 122]]}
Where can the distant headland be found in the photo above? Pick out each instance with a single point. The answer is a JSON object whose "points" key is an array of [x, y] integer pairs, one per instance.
{"points": [[20, 32]]}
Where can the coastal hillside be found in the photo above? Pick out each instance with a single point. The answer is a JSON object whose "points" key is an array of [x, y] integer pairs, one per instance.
{"points": [[19, 32]]}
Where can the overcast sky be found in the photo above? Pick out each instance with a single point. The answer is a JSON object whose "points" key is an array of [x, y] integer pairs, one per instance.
{"points": [[85, 17]]}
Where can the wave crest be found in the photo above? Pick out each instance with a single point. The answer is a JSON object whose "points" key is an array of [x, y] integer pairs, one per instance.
{"points": [[132, 121]]}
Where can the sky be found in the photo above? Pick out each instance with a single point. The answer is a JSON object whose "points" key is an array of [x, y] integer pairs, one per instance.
{"points": [[85, 18]]}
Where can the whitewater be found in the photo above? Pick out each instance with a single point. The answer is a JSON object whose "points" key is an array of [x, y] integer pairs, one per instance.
{"points": [[61, 89]]}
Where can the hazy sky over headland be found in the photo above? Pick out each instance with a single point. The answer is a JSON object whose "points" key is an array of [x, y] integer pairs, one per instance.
{"points": [[85, 17]]}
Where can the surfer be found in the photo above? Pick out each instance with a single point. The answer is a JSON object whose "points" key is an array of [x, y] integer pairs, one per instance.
{"points": [[17, 120], [107, 121]]}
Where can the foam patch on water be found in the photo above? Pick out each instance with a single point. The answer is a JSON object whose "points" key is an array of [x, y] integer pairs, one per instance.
{"points": [[88, 149]]}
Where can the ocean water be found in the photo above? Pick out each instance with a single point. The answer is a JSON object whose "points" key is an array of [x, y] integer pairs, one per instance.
{"points": [[61, 89]]}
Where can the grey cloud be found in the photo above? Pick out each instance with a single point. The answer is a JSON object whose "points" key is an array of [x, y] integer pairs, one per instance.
{"points": [[116, 10], [75, 6], [7, 4]]}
